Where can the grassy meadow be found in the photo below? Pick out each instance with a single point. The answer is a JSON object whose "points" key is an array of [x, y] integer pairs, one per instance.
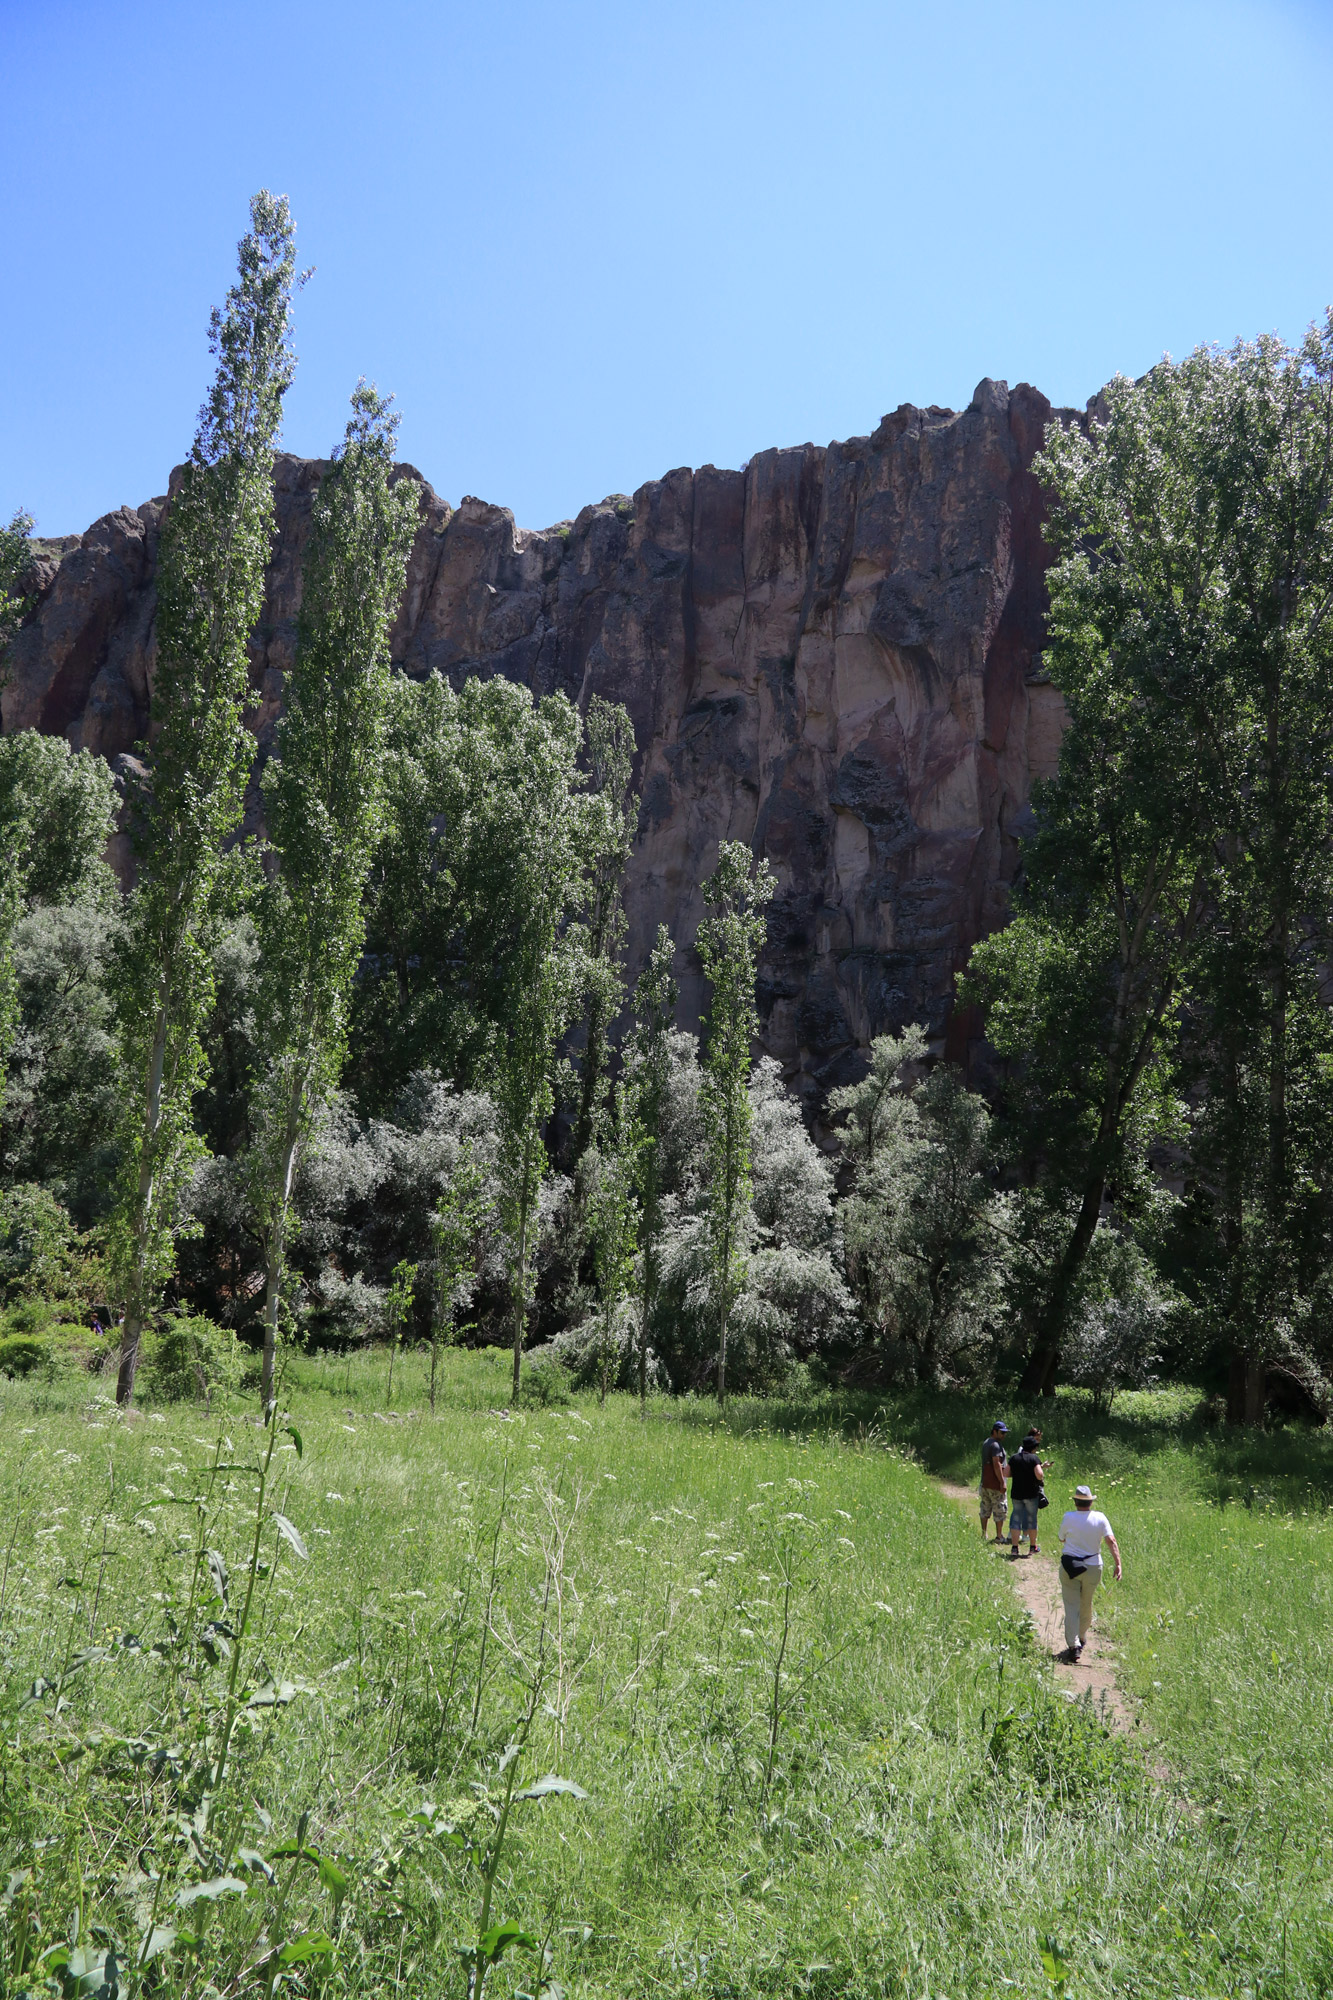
{"points": [[272, 1701]]}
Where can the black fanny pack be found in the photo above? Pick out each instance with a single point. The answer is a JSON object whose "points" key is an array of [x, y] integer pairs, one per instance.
{"points": [[1074, 1566]]}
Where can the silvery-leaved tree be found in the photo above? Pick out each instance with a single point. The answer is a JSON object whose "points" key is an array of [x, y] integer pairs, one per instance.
{"points": [[215, 545], [729, 942], [322, 794]]}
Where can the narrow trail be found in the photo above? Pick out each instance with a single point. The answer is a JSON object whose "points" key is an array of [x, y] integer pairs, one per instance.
{"points": [[1036, 1580]]}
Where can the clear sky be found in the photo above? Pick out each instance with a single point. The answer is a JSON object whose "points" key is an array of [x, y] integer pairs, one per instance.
{"points": [[585, 242]]}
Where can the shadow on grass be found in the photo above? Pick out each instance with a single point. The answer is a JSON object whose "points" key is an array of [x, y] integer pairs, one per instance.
{"points": [[1289, 1468]]}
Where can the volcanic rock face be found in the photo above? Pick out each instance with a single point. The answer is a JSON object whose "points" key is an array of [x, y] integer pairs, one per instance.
{"points": [[833, 655]]}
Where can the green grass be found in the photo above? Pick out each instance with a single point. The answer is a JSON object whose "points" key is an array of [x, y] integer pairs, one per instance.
{"points": [[924, 1811]]}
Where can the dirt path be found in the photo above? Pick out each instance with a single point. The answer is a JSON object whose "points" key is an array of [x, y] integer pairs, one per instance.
{"points": [[1037, 1582]]}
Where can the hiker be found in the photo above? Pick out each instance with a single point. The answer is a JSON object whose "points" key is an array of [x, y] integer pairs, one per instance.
{"points": [[1082, 1532], [1027, 1476], [994, 1472]]}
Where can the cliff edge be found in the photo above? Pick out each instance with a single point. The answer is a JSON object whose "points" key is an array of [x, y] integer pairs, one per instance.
{"points": [[833, 654]]}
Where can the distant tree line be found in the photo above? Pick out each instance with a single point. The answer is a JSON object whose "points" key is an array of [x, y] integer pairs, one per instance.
{"points": [[377, 1074]]}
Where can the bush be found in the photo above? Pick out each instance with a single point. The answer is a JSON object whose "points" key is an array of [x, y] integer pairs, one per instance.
{"points": [[544, 1385], [188, 1359], [37, 1243], [29, 1316], [23, 1354]]}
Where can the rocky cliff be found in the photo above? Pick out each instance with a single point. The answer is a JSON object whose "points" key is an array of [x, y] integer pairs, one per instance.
{"points": [[833, 654]]}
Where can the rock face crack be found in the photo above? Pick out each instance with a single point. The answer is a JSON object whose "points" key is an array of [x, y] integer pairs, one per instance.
{"points": [[834, 655]]}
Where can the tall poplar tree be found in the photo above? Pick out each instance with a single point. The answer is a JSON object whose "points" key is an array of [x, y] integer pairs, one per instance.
{"points": [[612, 814], [729, 942], [522, 771], [322, 791], [215, 545]]}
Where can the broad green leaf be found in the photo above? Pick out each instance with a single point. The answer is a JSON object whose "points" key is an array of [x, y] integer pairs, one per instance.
{"points": [[543, 1787], [1053, 1962], [250, 1857], [498, 1939], [217, 1569], [295, 1437], [290, 1534], [333, 1878], [315, 1944]]}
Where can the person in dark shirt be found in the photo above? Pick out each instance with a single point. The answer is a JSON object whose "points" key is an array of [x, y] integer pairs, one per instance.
{"points": [[1028, 1477], [994, 1473]]}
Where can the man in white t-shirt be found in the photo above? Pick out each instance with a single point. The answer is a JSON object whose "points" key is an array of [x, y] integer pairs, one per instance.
{"points": [[1082, 1532]]}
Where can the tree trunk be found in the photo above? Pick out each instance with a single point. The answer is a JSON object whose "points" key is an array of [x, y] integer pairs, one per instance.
{"points": [[1247, 1380], [1039, 1375], [277, 1240], [723, 1303], [136, 1305], [648, 1286], [130, 1334], [521, 1300], [594, 1062]]}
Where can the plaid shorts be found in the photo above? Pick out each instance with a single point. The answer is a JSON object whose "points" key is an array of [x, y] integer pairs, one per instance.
{"points": [[994, 1506]]}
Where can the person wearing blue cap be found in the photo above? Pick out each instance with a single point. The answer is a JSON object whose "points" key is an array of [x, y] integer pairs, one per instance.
{"points": [[994, 1472]]}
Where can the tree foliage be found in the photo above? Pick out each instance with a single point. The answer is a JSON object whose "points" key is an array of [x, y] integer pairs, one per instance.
{"points": [[15, 556], [214, 549], [730, 939], [925, 1228], [57, 811], [322, 791]]}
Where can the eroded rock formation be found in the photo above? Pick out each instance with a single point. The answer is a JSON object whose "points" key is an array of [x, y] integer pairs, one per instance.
{"points": [[833, 654]]}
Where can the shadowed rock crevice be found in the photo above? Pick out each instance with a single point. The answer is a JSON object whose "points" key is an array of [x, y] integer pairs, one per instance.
{"points": [[834, 654]]}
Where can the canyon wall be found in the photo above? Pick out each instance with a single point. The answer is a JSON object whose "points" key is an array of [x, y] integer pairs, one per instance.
{"points": [[833, 655]]}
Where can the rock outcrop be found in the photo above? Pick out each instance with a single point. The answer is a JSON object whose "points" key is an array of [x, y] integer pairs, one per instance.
{"points": [[833, 654]]}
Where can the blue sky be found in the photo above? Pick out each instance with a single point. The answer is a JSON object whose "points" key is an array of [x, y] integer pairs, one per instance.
{"points": [[583, 243]]}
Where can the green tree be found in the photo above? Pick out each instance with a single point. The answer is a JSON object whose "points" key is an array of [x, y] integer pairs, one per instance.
{"points": [[730, 939], [15, 556], [215, 546], [322, 790], [57, 812], [544, 967], [612, 816], [648, 1063], [1259, 1031], [1083, 990]]}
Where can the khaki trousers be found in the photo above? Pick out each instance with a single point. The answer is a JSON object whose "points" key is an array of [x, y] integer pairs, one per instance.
{"points": [[1077, 1593]]}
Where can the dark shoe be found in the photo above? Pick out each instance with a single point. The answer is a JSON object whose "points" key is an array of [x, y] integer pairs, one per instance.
{"points": [[1069, 1657]]}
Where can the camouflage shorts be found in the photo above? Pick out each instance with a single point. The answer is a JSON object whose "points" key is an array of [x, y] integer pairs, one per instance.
{"points": [[994, 1506]]}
